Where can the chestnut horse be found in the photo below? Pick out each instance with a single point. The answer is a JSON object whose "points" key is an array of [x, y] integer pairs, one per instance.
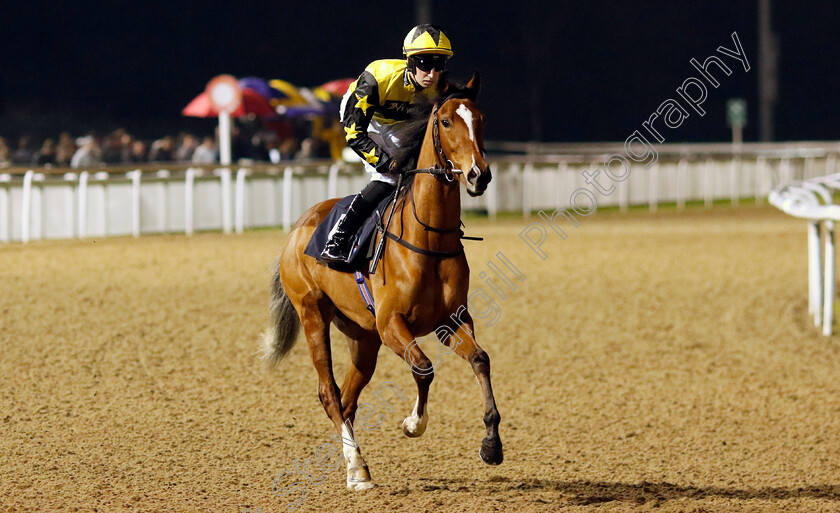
{"points": [[415, 292]]}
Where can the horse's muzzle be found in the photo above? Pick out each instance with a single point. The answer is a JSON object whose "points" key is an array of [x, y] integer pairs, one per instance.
{"points": [[478, 180]]}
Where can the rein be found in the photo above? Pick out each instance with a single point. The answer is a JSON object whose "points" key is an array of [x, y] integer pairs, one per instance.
{"points": [[426, 226], [402, 242], [422, 251]]}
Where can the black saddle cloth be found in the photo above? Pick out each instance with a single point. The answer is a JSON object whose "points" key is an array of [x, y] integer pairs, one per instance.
{"points": [[362, 250]]}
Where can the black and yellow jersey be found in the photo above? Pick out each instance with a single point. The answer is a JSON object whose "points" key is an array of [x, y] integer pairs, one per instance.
{"points": [[380, 97]]}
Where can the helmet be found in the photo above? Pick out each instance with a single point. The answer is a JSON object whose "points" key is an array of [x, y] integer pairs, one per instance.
{"points": [[426, 39]]}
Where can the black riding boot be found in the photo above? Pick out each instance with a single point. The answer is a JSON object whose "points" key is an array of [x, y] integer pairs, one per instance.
{"points": [[341, 236], [344, 231]]}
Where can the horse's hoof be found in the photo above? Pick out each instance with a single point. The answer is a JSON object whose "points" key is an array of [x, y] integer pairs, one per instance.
{"points": [[491, 451], [363, 485], [413, 427], [358, 478]]}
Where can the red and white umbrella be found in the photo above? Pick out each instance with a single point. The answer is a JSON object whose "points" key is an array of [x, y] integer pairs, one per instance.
{"points": [[337, 87], [252, 104]]}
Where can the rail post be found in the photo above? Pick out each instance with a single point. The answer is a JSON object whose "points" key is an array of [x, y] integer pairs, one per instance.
{"points": [[224, 177], [682, 180], [828, 296], [135, 201], [239, 218], [83, 190], [189, 194], [332, 180], [287, 198]]}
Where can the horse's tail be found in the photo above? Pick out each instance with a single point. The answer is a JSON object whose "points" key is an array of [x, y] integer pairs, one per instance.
{"points": [[281, 336]]}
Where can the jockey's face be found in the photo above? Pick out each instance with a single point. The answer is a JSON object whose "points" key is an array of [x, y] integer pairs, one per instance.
{"points": [[426, 79], [427, 69]]}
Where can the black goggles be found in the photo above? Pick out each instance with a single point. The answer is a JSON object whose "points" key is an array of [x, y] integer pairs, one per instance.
{"points": [[429, 62]]}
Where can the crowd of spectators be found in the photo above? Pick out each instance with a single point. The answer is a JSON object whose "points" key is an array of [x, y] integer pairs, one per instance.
{"points": [[121, 148]]}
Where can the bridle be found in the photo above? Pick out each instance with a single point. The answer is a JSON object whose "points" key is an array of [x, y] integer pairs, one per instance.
{"points": [[445, 174], [444, 169], [448, 175]]}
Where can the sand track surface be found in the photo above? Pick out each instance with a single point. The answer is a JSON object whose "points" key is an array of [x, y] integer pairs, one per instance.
{"points": [[651, 362]]}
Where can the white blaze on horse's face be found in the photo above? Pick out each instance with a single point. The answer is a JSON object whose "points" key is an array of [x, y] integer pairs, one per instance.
{"points": [[475, 177], [466, 115]]}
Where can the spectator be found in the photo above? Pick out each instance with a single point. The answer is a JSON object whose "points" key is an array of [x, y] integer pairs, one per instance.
{"points": [[206, 153], [312, 148], [162, 150], [240, 145], [305, 151], [65, 150], [24, 154], [288, 148], [273, 150], [4, 153], [46, 156], [136, 153], [88, 155], [186, 149], [126, 148], [258, 151], [112, 147]]}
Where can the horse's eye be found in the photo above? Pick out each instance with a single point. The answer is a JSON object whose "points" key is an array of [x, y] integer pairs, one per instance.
{"points": [[444, 122]]}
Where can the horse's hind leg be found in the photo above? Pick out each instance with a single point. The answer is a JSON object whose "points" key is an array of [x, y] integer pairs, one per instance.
{"points": [[315, 319], [465, 346]]}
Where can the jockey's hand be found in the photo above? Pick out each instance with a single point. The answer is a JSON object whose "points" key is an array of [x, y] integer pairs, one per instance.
{"points": [[403, 164], [389, 167]]}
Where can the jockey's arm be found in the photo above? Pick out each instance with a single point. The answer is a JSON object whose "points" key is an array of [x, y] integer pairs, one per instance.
{"points": [[359, 107]]}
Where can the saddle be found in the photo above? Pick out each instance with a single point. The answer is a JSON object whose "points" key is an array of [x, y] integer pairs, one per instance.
{"points": [[362, 249]]}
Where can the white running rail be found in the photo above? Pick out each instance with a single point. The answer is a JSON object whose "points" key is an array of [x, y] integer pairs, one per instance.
{"points": [[812, 200], [129, 201]]}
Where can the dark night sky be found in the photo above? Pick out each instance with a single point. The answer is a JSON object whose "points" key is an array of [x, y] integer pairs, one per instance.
{"points": [[555, 71]]}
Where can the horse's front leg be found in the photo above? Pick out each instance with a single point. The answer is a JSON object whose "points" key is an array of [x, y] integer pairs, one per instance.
{"points": [[464, 344], [396, 335]]}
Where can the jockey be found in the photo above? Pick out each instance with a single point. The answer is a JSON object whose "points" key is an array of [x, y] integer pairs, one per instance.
{"points": [[370, 110]]}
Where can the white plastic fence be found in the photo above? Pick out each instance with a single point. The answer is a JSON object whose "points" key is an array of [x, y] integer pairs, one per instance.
{"points": [[46, 204], [813, 200]]}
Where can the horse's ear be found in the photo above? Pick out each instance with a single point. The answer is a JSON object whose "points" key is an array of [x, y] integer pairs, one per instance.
{"points": [[443, 84], [474, 84]]}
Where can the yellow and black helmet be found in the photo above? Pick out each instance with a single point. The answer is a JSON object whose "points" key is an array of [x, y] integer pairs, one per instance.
{"points": [[426, 39]]}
